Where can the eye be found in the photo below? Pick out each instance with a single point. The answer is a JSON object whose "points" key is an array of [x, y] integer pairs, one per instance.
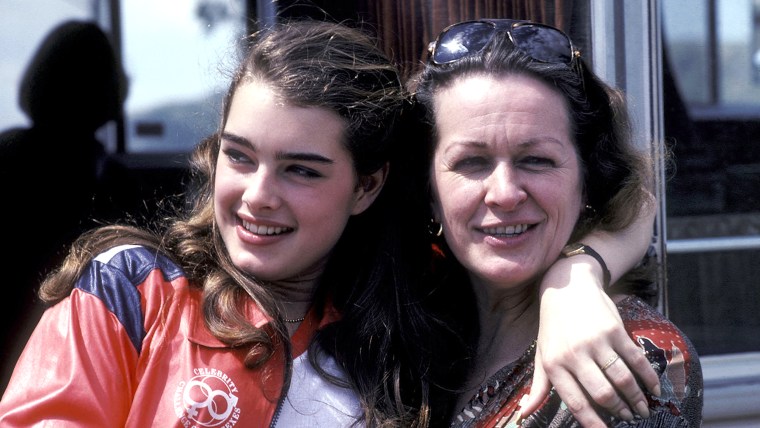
{"points": [[303, 171], [236, 156], [470, 164], [537, 162]]}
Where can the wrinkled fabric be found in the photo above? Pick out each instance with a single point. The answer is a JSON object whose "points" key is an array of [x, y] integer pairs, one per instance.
{"points": [[668, 350]]}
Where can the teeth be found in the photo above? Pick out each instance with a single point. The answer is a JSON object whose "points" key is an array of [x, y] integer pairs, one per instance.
{"points": [[506, 230], [265, 230]]}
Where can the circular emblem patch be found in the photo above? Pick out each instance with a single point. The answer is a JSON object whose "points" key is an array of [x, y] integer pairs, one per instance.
{"points": [[208, 399]]}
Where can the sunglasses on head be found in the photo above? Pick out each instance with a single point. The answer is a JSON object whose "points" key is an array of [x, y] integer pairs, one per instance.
{"points": [[541, 42]]}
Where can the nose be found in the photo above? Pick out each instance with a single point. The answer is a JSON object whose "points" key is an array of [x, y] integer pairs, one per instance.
{"points": [[262, 190], [504, 188]]}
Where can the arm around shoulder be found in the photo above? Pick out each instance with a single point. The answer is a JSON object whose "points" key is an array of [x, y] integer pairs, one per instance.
{"points": [[673, 356], [580, 327]]}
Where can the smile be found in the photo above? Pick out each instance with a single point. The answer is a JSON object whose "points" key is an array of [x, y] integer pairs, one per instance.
{"points": [[266, 230], [512, 230]]}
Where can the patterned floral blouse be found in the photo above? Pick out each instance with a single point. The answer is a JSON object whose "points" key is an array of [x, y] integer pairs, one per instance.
{"points": [[669, 351]]}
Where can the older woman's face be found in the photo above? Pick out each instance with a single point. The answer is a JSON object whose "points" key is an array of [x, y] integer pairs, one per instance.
{"points": [[506, 176]]}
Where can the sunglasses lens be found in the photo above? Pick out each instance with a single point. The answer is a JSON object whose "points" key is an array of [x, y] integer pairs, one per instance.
{"points": [[543, 43], [460, 40]]}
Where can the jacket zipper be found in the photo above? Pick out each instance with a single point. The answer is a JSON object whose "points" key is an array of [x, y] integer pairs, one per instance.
{"points": [[277, 411], [286, 378]]}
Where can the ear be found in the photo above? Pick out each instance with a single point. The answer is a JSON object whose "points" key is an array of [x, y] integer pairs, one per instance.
{"points": [[368, 188]]}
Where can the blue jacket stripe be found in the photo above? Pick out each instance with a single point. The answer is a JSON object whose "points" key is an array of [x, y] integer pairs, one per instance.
{"points": [[113, 277]]}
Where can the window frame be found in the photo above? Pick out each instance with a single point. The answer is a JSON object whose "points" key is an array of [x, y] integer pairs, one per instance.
{"points": [[631, 60]]}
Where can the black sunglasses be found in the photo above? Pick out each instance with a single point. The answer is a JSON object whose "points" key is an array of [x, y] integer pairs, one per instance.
{"points": [[541, 42]]}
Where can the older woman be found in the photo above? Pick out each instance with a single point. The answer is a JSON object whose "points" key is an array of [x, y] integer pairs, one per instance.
{"points": [[529, 152]]}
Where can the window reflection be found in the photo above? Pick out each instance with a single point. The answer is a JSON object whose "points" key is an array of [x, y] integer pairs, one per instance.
{"points": [[712, 124], [176, 54]]}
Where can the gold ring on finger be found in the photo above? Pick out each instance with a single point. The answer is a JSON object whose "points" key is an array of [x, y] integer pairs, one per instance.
{"points": [[610, 362]]}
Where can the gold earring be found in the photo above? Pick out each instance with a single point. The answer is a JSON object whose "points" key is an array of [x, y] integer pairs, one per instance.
{"points": [[435, 228]]}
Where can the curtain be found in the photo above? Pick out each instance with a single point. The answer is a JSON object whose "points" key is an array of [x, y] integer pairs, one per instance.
{"points": [[406, 27]]}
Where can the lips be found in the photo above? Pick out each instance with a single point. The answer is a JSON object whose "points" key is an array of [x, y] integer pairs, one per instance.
{"points": [[511, 230], [264, 230]]}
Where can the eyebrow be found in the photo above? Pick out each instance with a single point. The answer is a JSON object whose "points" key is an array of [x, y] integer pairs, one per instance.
{"points": [[465, 143], [280, 155], [528, 143], [542, 140]]}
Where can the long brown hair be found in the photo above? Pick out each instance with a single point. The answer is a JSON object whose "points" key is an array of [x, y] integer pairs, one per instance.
{"points": [[380, 341]]}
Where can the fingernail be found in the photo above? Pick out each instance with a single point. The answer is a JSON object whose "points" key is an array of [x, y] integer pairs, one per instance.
{"points": [[626, 415], [656, 391], [642, 409]]}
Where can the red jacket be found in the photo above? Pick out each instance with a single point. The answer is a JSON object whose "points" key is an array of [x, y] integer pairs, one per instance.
{"points": [[129, 348]]}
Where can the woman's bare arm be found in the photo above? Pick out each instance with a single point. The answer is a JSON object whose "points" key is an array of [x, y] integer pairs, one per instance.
{"points": [[580, 331]]}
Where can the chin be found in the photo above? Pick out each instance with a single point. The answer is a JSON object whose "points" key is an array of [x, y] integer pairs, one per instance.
{"points": [[243, 262]]}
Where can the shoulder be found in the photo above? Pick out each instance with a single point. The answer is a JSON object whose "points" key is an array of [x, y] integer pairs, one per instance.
{"points": [[135, 262], [672, 355], [124, 278], [120, 271], [662, 341], [652, 331]]}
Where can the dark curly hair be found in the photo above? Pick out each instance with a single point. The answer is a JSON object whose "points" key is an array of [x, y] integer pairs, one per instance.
{"points": [[617, 176]]}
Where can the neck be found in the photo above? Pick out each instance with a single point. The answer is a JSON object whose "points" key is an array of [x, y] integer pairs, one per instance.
{"points": [[508, 326], [294, 296], [506, 308]]}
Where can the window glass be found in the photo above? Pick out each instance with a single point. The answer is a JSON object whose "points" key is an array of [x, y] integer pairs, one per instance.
{"points": [[21, 33], [176, 55], [711, 94], [687, 44], [737, 51]]}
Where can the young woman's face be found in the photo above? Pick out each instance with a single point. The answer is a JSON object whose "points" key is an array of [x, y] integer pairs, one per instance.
{"points": [[506, 177], [285, 185]]}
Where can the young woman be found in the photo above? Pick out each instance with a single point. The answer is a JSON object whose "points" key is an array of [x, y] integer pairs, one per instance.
{"points": [[207, 322]]}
